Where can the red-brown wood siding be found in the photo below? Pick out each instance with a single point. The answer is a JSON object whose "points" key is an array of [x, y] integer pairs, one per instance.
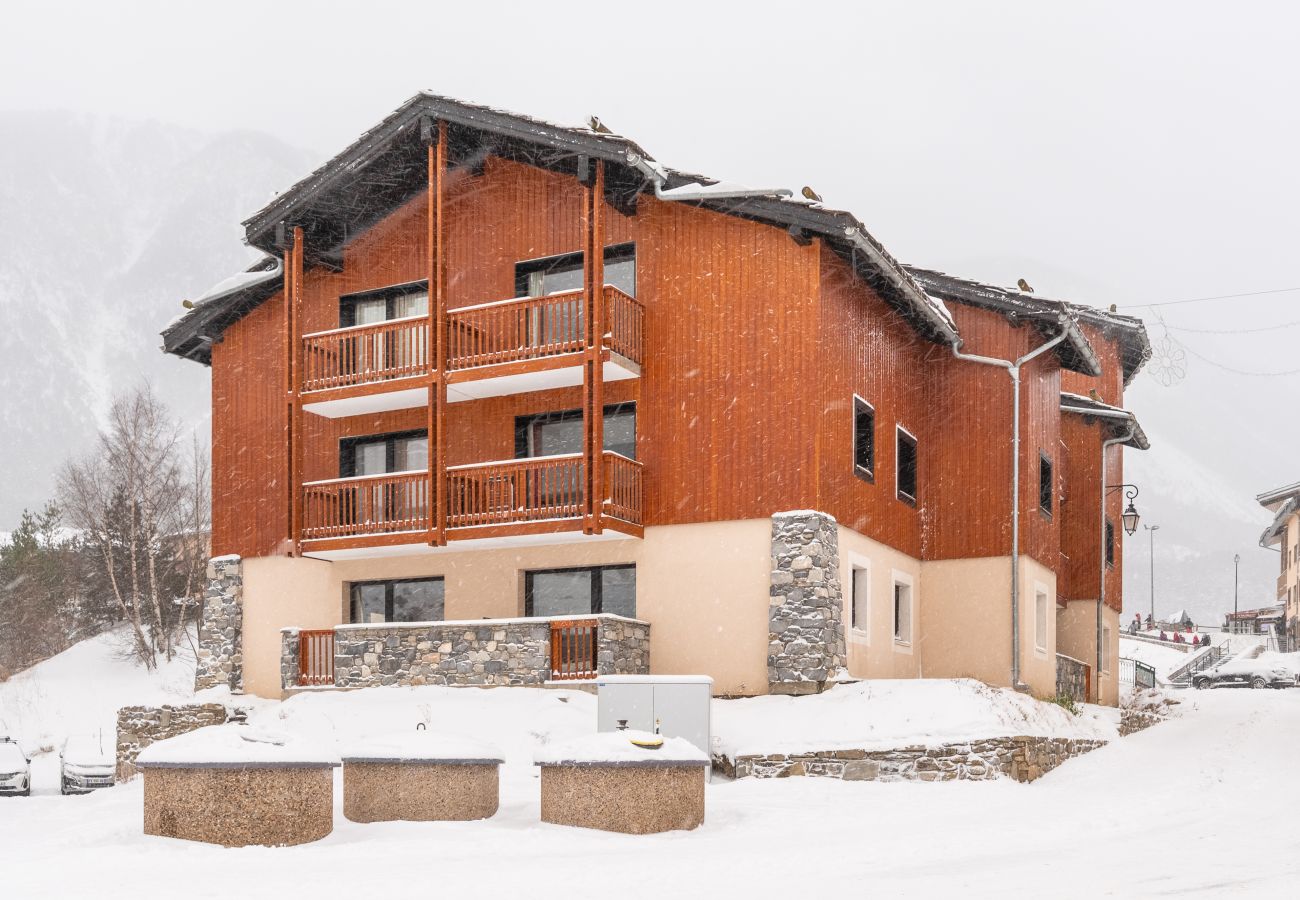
{"points": [[1081, 547]]}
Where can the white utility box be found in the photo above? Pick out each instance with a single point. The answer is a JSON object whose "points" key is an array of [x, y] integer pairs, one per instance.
{"points": [[680, 703]]}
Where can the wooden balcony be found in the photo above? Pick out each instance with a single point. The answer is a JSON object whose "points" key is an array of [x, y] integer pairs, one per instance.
{"points": [[493, 349], [495, 500]]}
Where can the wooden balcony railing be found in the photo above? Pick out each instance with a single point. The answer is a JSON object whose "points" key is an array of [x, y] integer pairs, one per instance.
{"points": [[371, 504], [509, 492], [538, 327], [315, 658], [573, 649], [622, 487], [625, 323], [520, 490], [365, 353]]}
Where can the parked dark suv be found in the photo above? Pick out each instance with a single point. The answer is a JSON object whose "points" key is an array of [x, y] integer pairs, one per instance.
{"points": [[1251, 673]]}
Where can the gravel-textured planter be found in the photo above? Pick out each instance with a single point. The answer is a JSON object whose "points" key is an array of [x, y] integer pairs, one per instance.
{"points": [[420, 778], [221, 789], [604, 782]]}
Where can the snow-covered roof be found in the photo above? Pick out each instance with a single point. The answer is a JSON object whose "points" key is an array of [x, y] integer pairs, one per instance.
{"points": [[1273, 533], [192, 333], [1117, 418], [1271, 500], [615, 748], [1135, 346]]}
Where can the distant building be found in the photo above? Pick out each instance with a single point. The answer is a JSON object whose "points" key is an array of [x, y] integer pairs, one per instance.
{"points": [[1284, 536], [1267, 620]]}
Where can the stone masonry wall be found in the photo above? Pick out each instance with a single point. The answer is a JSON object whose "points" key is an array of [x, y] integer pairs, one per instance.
{"points": [[468, 653], [1071, 678], [140, 726], [289, 663], [220, 654], [623, 647], [1022, 758], [805, 624]]}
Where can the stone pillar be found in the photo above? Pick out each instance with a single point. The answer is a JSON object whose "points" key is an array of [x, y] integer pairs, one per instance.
{"points": [[805, 624], [220, 651]]}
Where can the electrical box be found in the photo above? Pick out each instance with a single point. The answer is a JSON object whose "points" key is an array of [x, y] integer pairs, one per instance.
{"points": [[680, 703]]}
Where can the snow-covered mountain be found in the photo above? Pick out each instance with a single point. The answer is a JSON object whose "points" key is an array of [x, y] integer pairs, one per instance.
{"points": [[106, 225]]}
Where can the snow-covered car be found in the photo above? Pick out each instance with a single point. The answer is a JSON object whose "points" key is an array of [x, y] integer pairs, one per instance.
{"points": [[15, 774], [1254, 673], [85, 764]]}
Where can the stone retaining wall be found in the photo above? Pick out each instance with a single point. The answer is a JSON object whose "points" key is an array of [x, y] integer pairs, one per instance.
{"points": [[220, 655], [1071, 678], [1132, 721], [140, 726], [467, 653], [805, 625], [1021, 758]]}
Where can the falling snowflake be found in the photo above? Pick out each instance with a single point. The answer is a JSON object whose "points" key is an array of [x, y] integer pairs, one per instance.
{"points": [[1168, 361]]}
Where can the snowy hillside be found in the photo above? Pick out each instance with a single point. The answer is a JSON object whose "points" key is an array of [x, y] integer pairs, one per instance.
{"points": [[107, 225], [80, 690]]}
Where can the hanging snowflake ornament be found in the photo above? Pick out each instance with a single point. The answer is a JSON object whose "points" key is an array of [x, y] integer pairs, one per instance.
{"points": [[1168, 361]]}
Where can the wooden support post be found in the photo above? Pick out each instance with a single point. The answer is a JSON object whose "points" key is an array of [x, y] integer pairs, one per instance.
{"points": [[293, 335], [440, 355], [593, 370]]}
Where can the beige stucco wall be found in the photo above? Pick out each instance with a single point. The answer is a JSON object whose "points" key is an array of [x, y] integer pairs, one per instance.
{"points": [[1076, 628], [703, 588], [966, 622], [282, 592], [872, 650]]}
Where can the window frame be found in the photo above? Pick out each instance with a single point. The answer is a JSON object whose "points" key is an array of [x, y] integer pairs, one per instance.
{"points": [[389, 583], [1109, 549], [524, 423], [348, 302], [867, 474], [1043, 597], [860, 626], [597, 586], [903, 580], [347, 448], [1046, 484], [910, 499], [573, 260]]}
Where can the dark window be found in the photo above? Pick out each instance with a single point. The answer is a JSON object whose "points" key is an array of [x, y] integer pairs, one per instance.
{"points": [[405, 600], [1110, 543], [554, 274], [396, 302], [1044, 483], [906, 467], [379, 454], [579, 592], [864, 439], [558, 433]]}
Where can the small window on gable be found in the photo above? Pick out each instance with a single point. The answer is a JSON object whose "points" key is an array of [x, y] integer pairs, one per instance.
{"points": [[860, 610], [1045, 483], [1110, 544], [864, 439], [906, 467]]}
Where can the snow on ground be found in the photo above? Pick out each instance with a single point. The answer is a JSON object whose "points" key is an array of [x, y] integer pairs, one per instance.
{"points": [[881, 714], [1180, 808], [1161, 658], [80, 690]]}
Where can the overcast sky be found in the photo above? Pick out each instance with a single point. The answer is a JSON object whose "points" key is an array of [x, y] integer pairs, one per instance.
{"points": [[1127, 153]]}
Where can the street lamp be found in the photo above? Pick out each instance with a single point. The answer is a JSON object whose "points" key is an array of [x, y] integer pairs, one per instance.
{"points": [[1129, 518], [1236, 568], [1152, 529]]}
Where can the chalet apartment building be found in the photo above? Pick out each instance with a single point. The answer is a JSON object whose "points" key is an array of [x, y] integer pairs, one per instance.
{"points": [[508, 402], [1283, 535]]}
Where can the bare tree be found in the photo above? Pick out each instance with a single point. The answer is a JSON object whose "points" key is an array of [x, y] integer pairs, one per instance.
{"points": [[143, 514]]}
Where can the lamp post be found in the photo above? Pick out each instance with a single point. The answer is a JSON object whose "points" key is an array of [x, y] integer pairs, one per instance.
{"points": [[1152, 529], [1236, 568]]}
